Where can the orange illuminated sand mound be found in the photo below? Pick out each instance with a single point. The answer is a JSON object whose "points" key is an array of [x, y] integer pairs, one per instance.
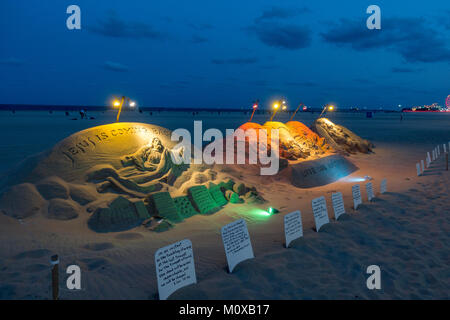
{"points": [[300, 131], [296, 141]]}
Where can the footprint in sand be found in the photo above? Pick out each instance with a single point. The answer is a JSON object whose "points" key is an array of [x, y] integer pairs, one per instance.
{"points": [[129, 236], [99, 246], [36, 268], [7, 291], [33, 254], [95, 263]]}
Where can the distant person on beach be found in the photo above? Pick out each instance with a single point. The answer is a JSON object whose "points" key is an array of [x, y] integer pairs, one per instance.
{"points": [[82, 113], [401, 117]]}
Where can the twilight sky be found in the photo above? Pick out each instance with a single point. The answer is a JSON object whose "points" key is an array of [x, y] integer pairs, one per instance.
{"points": [[176, 53]]}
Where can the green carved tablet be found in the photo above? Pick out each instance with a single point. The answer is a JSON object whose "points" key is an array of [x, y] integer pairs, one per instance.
{"points": [[164, 206], [185, 207], [217, 194], [202, 200], [121, 214]]}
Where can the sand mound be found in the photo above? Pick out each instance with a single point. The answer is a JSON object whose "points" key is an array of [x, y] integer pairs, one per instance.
{"points": [[296, 142], [308, 138], [341, 138], [22, 201], [116, 177]]}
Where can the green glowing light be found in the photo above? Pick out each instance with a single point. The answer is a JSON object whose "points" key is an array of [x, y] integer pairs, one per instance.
{"points": [[258, 212], [265, 214]]}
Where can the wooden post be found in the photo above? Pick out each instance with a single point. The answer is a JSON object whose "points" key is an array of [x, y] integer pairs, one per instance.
{"points": [[446, 160], [55, 276]]}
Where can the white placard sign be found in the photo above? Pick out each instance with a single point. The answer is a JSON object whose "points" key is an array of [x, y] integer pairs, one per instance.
{"points": [[383, 186], [434, 155], [174, 267], [445, 148], [338, 204], [428, 157], [293, 227], [357, 200], [428, 162], [422, 164], [236, 242], [369, 190], [418, 168], [319, 207]]}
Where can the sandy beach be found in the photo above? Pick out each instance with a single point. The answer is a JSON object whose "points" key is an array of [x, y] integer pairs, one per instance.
{"points": [[405, 231]]}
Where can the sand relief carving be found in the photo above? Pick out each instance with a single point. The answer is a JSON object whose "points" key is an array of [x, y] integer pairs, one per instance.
{"points": [[142, 172], [340, 138]]}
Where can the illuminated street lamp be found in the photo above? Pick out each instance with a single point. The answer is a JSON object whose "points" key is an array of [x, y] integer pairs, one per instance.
{"points": [[255, 106], [293, 115], [328, 107], [275, 108], [119, 104]]}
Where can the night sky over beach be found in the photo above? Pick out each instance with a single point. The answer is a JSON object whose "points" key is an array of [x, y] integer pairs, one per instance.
{"points": [[225, 53]]}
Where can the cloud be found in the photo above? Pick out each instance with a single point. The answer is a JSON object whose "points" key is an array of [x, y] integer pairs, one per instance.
{"points": [[201, 26], [176, 85], [238, 61], [114, 27], [11, 62], [280, 13], [412, 38], [198, 39], [302, 84], [258, 83], [114, 66], [403, 70], [291, 37], [363, 81]]}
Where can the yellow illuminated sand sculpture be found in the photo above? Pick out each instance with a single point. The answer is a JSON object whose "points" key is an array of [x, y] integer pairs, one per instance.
{"points": [[117, 177]]}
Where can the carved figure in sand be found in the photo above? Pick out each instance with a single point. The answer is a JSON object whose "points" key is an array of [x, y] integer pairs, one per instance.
{"points": [[147, 158], [142, 172]]}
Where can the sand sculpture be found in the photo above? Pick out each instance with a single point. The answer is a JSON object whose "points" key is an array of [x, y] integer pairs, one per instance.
{"points": [[296, 140], [121, 175], [340, 138], [313, 157], [117, 177]]}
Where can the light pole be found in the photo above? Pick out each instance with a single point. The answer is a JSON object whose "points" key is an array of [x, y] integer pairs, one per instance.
{"points": [[255, 106], [119, 104], [275, 108], [293, 115], [327, 106]]}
